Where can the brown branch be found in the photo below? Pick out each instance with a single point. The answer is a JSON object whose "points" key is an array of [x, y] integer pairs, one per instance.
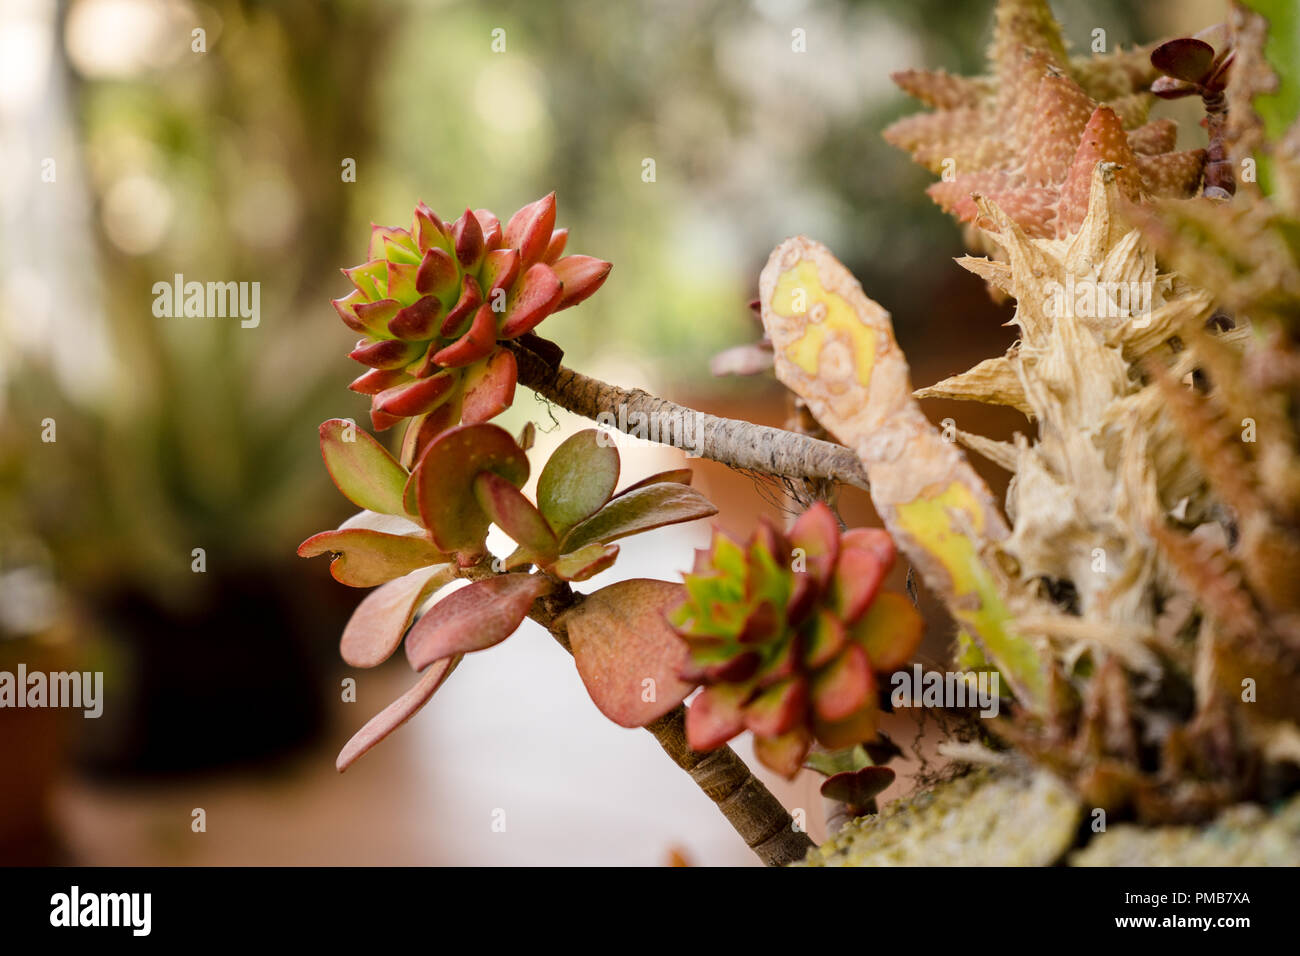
{"points": [[758, 448], [765, 826]]}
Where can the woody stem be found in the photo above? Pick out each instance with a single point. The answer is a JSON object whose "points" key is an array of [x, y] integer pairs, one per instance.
{"points": [[739, 444]]}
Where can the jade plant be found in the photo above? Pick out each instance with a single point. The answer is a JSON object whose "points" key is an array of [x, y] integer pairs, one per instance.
{"points": [[448, 314]]}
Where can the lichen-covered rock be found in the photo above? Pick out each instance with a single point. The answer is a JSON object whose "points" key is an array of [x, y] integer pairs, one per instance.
{"points": [[1244, 835], [983, 819]]}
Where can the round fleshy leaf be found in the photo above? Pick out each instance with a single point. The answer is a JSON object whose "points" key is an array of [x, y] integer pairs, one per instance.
{"points": [[362, 468], [890, 632], [363, 558], [857, 788], [476, 617], [379, 622], [626, 652], [1185, 58], [444, 482], [516, 516], [653, 506], [579, 477], [396, 713]]}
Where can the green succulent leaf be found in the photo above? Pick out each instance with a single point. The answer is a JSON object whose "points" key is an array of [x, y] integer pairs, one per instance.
{"points": [[830, 762], [362, 468], [364, 558], [377, 625], [678, 476], [628, 656], [445, 483], [578, 479], [585, 562], [653, 506], [478, 616]]}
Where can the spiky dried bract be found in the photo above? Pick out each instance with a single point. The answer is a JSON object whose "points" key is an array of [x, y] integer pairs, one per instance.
{"points": [[1029, 136], [788, 633], [433, 304]]}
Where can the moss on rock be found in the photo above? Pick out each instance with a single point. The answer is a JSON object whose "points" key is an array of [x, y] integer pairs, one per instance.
{"points": [[981, 819]]}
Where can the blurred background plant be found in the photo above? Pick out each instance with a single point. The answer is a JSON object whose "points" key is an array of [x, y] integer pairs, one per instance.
{"points": [[129, 155]]}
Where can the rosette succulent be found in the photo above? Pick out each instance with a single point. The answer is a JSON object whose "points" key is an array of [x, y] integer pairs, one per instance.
{"points": [[788, 632], [435, 302]]}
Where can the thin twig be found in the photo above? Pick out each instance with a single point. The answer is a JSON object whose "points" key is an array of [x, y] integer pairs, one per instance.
{"points": [[739, 444]]}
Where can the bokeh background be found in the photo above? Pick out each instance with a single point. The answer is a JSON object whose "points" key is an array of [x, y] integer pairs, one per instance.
{"points": [[128, 156]]}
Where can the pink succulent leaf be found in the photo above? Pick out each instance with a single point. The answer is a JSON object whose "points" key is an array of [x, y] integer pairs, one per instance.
{"points": [[578, 479], [445, 482], [363, 559], [416, 398], [476, 343], [581, 276], [490, 387], [516, 516], [396, 713], [555, 248], [362, 468], [535, 297], [529, 230], [491, 226], [380, 621], [652, 506], [715, 716], [840, 689], [468, 234], [471, 297], [476, 617], [628, 656]]}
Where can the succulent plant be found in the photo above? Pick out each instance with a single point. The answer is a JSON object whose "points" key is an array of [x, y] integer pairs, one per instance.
{"points": [[419, 530], [1028, 136], [788, 633], [435, 302]]}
